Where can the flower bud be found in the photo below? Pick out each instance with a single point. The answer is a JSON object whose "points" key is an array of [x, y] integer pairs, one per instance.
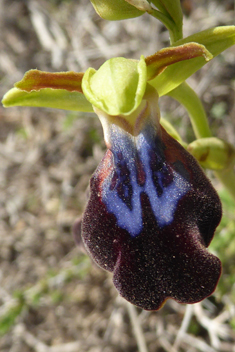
{"points": [[115, 10], [212, 153]]}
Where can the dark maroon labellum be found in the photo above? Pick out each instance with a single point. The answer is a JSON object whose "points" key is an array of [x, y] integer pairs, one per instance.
{"points": [[150, 216]]}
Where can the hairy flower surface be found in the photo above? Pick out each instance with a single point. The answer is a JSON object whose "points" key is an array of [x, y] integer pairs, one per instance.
{"points": [[150, 216]]}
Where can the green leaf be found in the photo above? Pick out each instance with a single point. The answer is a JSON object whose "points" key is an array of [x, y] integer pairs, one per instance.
{"points": [[216, 40], [47, 97], [8, 319]]}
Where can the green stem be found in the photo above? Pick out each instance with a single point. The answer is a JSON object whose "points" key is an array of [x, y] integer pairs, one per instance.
{"points": [[189, 99], [186, 96], [176, 35], [159, 5], [170, 15], [169, 23]]}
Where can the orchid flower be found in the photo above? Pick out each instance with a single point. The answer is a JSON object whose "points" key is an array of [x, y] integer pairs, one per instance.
{"points": [[151, 212]]}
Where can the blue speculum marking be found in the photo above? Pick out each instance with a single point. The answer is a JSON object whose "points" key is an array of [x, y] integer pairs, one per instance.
{"points": [[140, 166]]}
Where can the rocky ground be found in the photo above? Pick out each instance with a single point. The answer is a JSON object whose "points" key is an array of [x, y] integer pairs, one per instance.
{"points": [[52, 297]]}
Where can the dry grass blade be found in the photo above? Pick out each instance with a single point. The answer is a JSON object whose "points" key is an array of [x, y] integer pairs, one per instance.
{"points": [[137, 329], [215, 327], [184, 327]]}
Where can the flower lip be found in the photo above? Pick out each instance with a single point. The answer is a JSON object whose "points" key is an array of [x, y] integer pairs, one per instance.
{"points": [[153, 241]]}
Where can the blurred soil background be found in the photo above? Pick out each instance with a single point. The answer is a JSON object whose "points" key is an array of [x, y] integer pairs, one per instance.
{"points": [[53, 299]]}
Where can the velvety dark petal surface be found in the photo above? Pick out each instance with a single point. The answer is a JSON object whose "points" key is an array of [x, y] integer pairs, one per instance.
{"points": [[150, 216]]}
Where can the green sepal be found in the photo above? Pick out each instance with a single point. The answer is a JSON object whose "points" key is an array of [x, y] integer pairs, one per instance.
{"points": [[216, 40], [117, 87], [212, 153], [115, 10], [60, 90], [47, 97]]}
